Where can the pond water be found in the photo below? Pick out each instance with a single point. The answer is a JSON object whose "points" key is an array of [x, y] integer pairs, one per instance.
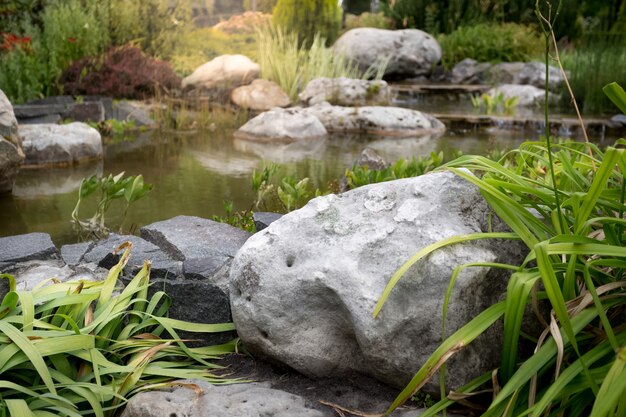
{"points": [[194, 174]]}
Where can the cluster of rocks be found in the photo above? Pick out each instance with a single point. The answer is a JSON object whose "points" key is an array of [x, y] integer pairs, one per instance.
{"points": [[301, 291]]}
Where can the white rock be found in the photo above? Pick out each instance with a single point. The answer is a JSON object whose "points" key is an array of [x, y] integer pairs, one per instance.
{"points": [[282, 125], [51, 144], [411, 52], [346, 92], [393, 121], [260, 95], [304, 289], [225, 71]]}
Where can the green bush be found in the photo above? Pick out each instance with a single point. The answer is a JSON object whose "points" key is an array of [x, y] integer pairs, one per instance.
{"points": [[308, 18], [368, 20], [507, 42]]}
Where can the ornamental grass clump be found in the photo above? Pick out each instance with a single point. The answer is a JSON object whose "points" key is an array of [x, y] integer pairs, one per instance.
{"points": [[566, 202], [76, 348]]}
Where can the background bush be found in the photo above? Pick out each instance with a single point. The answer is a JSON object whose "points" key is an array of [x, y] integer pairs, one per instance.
{"points": [[507, 42], [123, 72], [368, 20], [265, 6], [309, 17]]}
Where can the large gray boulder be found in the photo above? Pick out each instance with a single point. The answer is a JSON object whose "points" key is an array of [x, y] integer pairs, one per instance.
{"points": [[282, 125], [304, 289], [225, 71], [260, 95], [50, 144], [11, 153], [380, 120], [411, 52], [201, 399], [346, 92], [8, 122]]}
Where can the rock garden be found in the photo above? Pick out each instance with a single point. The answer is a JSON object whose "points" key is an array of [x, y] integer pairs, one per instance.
{"points": [[311, 208]]}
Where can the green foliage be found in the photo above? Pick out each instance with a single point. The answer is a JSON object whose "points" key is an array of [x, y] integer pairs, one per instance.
{"points": [[109, 188], [309, 19], [508, 42], [617, 95], [495, 104], [368, 20], [241, 219], [292, 66], [265, 6], [75, 349]]}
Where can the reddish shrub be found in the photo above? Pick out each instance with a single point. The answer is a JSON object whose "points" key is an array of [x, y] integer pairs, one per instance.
{"points": [[122, 72]]}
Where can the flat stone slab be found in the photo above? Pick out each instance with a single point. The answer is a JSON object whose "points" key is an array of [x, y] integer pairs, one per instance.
{"points": [[73, 254], [262, 219], [201, 399], [26, 247]]}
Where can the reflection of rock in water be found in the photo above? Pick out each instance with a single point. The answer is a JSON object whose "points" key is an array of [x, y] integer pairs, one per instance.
{"points": [[226, 163], [31, 184], [284, 152], [392, 149]]}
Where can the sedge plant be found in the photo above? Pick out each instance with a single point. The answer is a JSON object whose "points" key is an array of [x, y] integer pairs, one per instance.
{"points": [[570, 216], [84, 348]]}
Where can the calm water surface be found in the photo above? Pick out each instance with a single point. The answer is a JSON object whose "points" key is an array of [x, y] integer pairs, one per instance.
{"points": [[195, 174]]}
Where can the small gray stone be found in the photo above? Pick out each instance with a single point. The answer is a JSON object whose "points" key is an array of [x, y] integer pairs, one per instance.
{"points": [[346, 92], [31, 246], [619, 118], [127, 112], [282, 125], [89, 111], [73, 254], [371, 159], [262, 219], [206, 400], [469, 71]]}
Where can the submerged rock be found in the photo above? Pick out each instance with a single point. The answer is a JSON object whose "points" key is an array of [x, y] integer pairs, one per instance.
{"points": [[304, 289], [393, 121], [282, 125], [50, 144], [411, 52], [224, 72], [260, 95], [346, 92]]}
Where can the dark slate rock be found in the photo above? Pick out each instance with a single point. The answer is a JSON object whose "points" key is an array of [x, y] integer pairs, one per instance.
{"points": [[39, 110], [91, 111], [31, 246], [203, 268], [187, 237], [102, 255], [73, 254], [107, 103], [52, 100], [262, 219], [48, 118], [125, 111]]}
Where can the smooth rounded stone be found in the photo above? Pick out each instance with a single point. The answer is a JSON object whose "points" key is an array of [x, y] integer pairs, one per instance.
{"points": [[469, 71], [162, 265], [27, 247], [260, 95], [49, 144], [527, 73], [10, 161], [282, 125], [201, 399], [304, 289], [346, 92], [34, 183], [224, 72], [262, 219], [411, 52], [282, 152], [392, 121], [528, 95]]}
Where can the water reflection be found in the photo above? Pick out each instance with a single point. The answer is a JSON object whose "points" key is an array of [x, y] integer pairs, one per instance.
{"points": [[33, 183]]}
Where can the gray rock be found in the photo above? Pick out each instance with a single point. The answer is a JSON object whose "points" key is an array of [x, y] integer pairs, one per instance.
{"points": [[28, 111], [393, 121], [225, 71], [10, 161], [60, 144], [262, 219], [527, 73], [39, 120], [8, 122], [31, 246], [89, 111], [205, 400], [126, 111], [73, 254], [469, 71], [52, 100], [371, 159], [619, 118], [411, 52], [303, 290], [260, 95], [528, 95], [101, 253], [346, 92], [282, 125]]}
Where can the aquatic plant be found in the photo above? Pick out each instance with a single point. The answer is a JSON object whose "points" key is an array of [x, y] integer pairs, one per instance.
{"points": [[77, 348], [492, 104], [571, 219]]}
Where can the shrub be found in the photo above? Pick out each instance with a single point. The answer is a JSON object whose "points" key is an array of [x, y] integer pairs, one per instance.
{"points": [[308, 18], [507, 42], [123, 72], [368, 20], [75, 348]]}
